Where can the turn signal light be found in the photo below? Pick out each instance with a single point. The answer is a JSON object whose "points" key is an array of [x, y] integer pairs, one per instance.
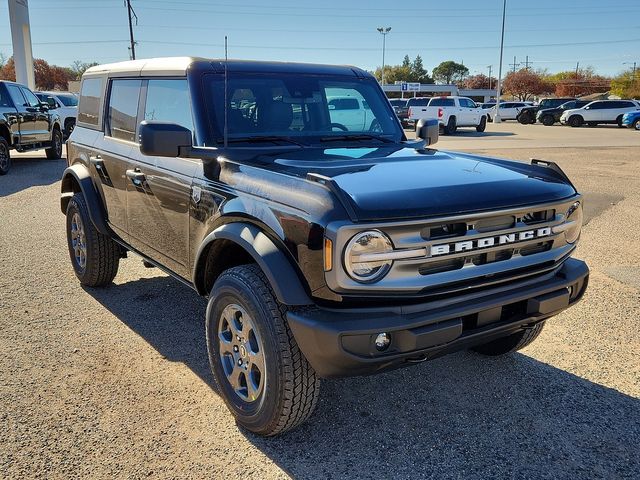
{"points": [[328, 254]]}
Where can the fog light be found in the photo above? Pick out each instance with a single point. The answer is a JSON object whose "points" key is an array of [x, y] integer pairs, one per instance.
{"points": [[382, 341]]}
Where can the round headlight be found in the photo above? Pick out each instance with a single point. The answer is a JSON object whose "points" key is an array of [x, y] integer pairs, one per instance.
{"points": [[360, 256], [574, 215]]}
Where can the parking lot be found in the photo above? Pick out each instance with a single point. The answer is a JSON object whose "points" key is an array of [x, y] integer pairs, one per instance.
{"points": [[116, 383]]}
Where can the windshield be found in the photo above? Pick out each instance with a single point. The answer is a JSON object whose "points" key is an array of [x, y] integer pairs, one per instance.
{"points": [[307, 108], [68, 100]]}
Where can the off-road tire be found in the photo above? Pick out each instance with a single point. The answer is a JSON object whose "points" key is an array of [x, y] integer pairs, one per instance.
{"points": [[54, 152], [548, 120], [102, 253], [451, 126], [5, 157], [575, 121], [291, 387], [526, 119], [511, 343], [483, 125], [69, 125]]}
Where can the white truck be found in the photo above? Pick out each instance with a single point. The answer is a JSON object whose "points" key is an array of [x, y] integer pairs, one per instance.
{"points": [[451, 113]]}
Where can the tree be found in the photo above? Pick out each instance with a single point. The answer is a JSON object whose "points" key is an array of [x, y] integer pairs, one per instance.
{"points": [[42, 74], [626, 85], [406, 62], [8, 71], [479, 81], [418, 73], [525, 84], [78, 68], [407, 72], [584, 82], [450, 72]]}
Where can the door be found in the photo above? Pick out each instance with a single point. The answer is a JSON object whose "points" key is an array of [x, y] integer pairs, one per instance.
{"points": [[159, 188], [468, 112], [25, 127], [41, 118]]}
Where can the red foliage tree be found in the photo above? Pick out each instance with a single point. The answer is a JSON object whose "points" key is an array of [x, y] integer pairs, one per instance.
{"points": [[479, 81], [525, 84]]}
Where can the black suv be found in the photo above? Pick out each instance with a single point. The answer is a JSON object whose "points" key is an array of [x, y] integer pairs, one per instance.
{"points": [[327, 243], [26, 124], [549, 116], [528, 114]]}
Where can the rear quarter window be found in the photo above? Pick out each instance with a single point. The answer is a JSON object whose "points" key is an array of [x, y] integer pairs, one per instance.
{"points": [[123, 109], [89, 105], [442, 102]]}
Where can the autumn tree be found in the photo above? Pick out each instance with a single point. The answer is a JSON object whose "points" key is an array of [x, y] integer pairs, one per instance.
{"points": [[525, 84], [479, 81], [449, 72], [627, 84], [8, 70], [583, 82]]}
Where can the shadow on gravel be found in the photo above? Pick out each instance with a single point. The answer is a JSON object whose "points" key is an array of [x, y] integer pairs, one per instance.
{"points": [[463, 415], [29, 172]]}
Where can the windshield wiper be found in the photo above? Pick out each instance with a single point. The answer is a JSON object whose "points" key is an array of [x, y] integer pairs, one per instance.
{"points": [[262, 139], [356, 136]]}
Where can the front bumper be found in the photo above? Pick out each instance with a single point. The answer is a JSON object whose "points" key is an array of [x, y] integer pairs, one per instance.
{"points": [[340, 342]]}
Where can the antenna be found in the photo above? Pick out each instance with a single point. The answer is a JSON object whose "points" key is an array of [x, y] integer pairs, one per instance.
{"points": [[226, 92]]}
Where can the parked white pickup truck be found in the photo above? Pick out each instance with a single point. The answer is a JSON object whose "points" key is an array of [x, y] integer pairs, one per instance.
{"points": [[451, 113]]}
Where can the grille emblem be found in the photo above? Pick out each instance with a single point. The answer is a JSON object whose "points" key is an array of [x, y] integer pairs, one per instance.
{"points": [[485, 242]]}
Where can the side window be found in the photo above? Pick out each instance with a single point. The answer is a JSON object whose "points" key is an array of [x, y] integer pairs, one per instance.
{"points": [[123, 109], [626, 104], [442, 102], [168, 101], [16, 96], [32, 100], [343, 104], [89, 106]]}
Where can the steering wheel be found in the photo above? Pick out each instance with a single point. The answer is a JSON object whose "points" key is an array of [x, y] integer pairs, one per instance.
{"points": [[339, 126]]}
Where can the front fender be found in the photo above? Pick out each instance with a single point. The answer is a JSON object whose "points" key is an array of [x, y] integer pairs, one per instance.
{"points": [[282, 276], [78, 177]]}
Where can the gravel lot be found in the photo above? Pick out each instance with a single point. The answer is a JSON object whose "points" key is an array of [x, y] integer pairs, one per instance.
{"points": [[115, 382]]}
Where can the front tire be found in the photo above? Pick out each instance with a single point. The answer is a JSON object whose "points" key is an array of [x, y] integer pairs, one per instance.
{"points": [[575, 121], [54, 152], [5, 156], [258, 369], [548, 120], [483, 125], [510, 343], [95, 257], [619, 121], [636, 124]]}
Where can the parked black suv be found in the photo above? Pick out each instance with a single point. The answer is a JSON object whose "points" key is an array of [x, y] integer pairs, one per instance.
{"points": [[528, 114], [26, 124], [549, 116], [324, 250]]}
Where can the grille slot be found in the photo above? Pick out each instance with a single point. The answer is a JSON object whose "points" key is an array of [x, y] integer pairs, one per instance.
{"points": [[491, 257], [445, 230], [441, 266], [535, 248], [495, 223], [540, 216]]}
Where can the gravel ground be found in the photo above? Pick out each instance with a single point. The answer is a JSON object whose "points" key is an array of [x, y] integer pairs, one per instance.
{"points": [[115, 382]]}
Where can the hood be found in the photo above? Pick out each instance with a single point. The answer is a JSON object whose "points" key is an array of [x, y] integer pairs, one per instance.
{"points": [[394, 182]]}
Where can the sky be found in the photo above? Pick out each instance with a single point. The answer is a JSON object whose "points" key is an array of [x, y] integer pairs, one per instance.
{"points": [[554, 34]]}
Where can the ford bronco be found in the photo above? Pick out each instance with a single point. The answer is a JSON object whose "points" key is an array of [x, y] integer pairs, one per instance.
{"points": [[324, 249]]}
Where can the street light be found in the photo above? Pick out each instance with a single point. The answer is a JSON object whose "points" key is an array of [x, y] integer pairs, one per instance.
{"points": [[490, 67], [384, 32], [496, 117], [634, 68]]}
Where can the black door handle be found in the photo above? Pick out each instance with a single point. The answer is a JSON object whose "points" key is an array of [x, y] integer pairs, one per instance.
{"points": [[136, 177]]}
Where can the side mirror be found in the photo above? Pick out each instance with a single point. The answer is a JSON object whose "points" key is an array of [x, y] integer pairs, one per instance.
{"points": [[51, 103], [428, 130], [163, 139]]}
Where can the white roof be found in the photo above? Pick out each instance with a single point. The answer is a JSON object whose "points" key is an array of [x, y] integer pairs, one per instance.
{"points": [[150, 66]]}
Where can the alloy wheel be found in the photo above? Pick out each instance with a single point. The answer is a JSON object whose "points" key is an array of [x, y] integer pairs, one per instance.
{"points": [[241, 353], [78, 241]]}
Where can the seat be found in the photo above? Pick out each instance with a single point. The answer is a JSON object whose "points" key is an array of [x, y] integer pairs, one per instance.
{"points": [[277, 116]]}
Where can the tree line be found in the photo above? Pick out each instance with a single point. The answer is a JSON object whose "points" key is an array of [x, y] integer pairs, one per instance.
{"points": [[522, 84], [47, 77]]}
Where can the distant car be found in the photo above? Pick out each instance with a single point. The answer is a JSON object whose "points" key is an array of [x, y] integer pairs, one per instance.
{"points": [[527, 115], [401, 108], [632, 120], [488, 105], [452, 112], [508, 110], [549, 116], [599, 111], [416, 104], [351, 112], [66, 105]]}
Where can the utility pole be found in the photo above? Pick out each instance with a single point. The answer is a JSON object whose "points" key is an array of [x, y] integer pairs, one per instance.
{"points": [[575, 84], [527, 62], [633, 72], [384, 31], [132, 14], [514, 64], [497, 118], [489, 67]]}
